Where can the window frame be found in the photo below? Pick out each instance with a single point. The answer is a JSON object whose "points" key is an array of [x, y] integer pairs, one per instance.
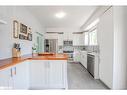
{"points": [[90, 30]]}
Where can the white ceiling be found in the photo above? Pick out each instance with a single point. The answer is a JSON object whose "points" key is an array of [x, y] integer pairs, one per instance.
{"points": [[75, 17]]}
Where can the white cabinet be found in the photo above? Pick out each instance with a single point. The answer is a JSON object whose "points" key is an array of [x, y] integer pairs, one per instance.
{"points": [[56, 74], [21, 75], [60, 39], [35, 74], [78, 39], [48, 74], [15, 77], [38, 78], [68, 36], [5, 79], [83, 56], [51, 36]]}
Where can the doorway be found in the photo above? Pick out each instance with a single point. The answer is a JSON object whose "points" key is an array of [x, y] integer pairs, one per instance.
{"points": [[40, 42]]}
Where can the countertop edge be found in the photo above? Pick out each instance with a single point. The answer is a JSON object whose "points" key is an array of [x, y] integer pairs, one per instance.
{"points": [[9, 62]]}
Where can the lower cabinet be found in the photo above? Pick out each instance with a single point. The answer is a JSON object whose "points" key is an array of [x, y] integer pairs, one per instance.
{"points": [[5, 79], [14, 77], [81, 56], [35, 74], [56, 74], [38, 74], [84, 59], [21, 76], [48, 74]]}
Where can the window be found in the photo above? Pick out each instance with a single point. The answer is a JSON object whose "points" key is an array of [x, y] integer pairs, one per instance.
{"points": [[93, 37], [86, 38]]}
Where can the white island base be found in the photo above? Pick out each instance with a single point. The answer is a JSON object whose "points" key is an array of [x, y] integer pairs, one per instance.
{"points": [[48, 74]]}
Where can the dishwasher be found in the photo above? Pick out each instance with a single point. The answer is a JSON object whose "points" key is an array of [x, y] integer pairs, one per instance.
{"points": [[90, 64]]}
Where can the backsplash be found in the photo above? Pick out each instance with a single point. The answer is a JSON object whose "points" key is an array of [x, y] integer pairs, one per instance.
{"points": [[79, 47], [92, 48], [86, 48]]}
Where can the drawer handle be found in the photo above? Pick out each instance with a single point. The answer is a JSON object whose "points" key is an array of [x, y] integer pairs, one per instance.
{"points": [[11, 73], [15, 71]]}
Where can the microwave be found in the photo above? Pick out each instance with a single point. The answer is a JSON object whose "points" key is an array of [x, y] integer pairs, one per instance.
{"points": [[68, 43]]}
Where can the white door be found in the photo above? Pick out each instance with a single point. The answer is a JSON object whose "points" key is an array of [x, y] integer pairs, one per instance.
{"points": [[21, 75], [38, 74], [56, 74], [105, 40]]}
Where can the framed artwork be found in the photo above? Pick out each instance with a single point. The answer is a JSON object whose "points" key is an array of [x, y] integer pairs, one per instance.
{"points": [[29, 30], [29, 37], [23, 37], [23, 28], [15, 29]]}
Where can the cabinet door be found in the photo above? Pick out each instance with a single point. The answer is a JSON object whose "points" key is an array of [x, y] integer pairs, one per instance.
{"points": [[78, 39], [38, 74], [56, 74], [60, 40], [84, 59], [20, 75], [5, 76]]}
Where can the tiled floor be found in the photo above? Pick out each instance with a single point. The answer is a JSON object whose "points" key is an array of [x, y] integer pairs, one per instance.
{"points": [[79, 78]]}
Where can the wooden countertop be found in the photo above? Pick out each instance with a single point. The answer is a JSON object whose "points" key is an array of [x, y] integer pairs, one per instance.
{"points": [[13, 61]]}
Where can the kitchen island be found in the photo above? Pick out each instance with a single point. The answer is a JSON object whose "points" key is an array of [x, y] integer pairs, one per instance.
{"points": [[34, 72]]}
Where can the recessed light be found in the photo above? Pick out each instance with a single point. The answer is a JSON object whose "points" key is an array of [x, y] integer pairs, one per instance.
{"points": [[60, 14]]}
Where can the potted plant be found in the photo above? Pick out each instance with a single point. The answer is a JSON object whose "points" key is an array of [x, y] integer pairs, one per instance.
{"points": [[34, 49]]}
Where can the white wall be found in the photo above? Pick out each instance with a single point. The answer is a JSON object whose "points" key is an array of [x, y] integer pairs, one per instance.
{"points": [[6, 31], [96, 14], [63, 29], [105, 41], [120, 48]]}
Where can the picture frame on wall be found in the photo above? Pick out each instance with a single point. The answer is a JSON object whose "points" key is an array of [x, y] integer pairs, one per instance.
{"points": [[29, 30], [29, 36], [15, 29], [23, 28], [23, 37]]}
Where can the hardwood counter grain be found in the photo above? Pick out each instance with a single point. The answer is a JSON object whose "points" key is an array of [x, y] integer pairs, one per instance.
{"points": [[5, 63]]}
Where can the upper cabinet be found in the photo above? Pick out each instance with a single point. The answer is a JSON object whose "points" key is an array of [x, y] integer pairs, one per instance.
{"points": [[51, 36], [78, 39], [60, 39], [68, 36]]}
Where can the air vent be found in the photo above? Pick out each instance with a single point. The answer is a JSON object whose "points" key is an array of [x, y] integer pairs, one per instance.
{"points": [[60, 32], [55, 32], [77, 32]]}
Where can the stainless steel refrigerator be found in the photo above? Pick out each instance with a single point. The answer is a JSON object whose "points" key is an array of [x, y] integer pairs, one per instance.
{"points": [[51, 45]]}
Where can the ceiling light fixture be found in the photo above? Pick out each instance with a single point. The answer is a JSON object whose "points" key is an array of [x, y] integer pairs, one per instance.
{"points": [[60, 14]]}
